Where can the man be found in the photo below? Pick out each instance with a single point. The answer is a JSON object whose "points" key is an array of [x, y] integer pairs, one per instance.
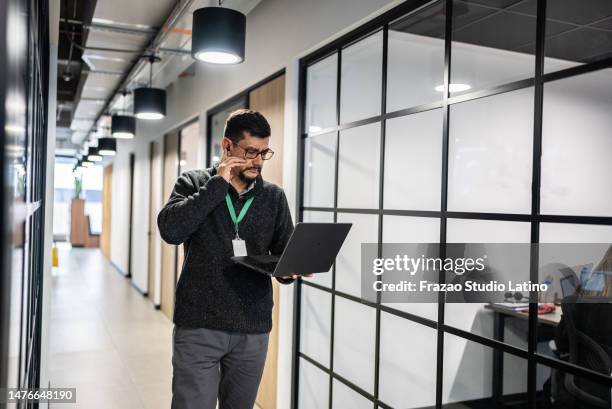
{"points": [[223, 312]]}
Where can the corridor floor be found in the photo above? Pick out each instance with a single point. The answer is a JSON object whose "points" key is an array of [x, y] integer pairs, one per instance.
{"points": [[106, 339]]}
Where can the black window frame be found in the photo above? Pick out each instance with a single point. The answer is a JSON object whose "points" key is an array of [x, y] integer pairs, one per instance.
{"points": [[535, 217]]}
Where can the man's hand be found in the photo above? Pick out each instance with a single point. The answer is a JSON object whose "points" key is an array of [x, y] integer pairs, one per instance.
{"points": [[227, 165]]}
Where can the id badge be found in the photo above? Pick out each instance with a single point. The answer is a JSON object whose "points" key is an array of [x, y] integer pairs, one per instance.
{"points": [[239, 248]]}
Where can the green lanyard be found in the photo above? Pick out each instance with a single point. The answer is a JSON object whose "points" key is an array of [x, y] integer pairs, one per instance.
{"points": [[232, 212]]}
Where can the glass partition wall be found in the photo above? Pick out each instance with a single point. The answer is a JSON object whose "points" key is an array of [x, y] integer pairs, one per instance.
{"points": [[24, 80], [440, 122]]}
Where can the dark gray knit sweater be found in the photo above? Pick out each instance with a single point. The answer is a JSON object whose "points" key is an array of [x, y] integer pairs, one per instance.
{"points": [[213, 291]]}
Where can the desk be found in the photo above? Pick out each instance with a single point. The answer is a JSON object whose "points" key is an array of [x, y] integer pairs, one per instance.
{"points": [[499, 325]]}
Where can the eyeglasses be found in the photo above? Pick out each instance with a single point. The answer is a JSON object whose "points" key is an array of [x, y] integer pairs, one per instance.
{"points": [[251, 153]]}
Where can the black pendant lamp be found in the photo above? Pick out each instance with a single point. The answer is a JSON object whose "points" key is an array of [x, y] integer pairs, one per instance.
{"points": [[149, 102], [83, 158], [107, 146], [93, 155], [123, 126], [218, 35]]}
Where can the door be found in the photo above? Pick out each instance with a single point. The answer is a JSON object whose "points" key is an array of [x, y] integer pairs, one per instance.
{"points": [[156, 183], [269, 99], [169, 255], [105, 235], [189, 148]]}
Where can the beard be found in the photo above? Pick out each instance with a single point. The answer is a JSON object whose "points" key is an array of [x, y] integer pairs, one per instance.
{"points": [[246, 178]]}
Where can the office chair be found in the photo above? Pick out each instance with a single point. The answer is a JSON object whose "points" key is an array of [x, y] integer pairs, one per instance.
{"points": [[585, 351]]}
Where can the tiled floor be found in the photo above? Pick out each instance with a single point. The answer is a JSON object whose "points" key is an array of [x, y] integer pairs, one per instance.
{"points": [[106, 339]]}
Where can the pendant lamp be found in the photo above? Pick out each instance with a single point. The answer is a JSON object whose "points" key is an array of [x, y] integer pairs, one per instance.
{"points": [[107, 146], [218, 35], [123, 126], [149, 102], [93, 155]]}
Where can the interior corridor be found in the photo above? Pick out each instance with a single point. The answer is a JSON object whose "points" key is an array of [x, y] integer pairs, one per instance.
{"points": [[106, 339]]}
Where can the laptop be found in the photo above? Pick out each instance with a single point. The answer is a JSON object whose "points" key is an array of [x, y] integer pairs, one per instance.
{"points": [[312, 248]]}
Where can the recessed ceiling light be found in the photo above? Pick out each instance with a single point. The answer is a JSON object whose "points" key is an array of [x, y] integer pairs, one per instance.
{"points": [[454, 87]]}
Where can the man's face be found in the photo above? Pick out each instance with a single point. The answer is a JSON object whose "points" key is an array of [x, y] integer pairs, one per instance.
{"points": [[248, 146]]}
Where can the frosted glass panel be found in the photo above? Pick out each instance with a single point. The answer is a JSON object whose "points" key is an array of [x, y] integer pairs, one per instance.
{"points": [[361, 83], [311, 216], [355, 330], [415, 59], [490, 47], [407, 363], [324, 279], [345, 397], [576, 146], [314, 386], [574, 233], [490, 149], [319, 170], [358, 167], [413, 161], [473, 317], [406, 229], [487, 231], [348, 262], [315, 324], [321, 94], [468, 372]]}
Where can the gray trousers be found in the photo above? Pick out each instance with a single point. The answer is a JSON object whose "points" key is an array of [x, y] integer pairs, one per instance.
{"points": [[209, 364]]}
